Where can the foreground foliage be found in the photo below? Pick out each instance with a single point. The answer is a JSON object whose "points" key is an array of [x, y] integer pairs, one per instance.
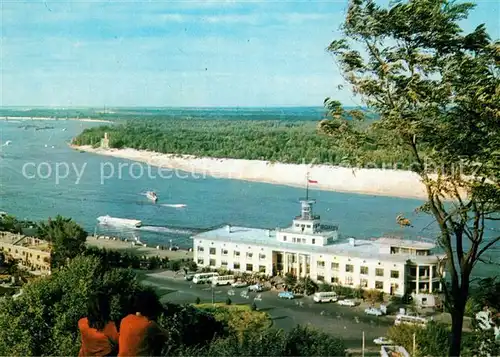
{"points": [[300, 341], [434, 340], [436, 89], [43, 320]]}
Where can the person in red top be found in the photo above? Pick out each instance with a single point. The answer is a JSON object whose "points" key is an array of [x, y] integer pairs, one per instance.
{"points": [[98, 332], [140, 335]]}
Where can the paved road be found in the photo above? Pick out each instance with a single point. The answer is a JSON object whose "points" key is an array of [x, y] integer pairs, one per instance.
{"points": [[346, 322]]}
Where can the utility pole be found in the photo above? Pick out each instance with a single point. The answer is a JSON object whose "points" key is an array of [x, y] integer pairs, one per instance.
{"points": [[213, 295], [414, 344], [363, 346]]}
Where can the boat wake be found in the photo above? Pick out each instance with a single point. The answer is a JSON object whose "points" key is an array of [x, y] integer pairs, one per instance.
{"points": [[179, 205], [166, 230]]}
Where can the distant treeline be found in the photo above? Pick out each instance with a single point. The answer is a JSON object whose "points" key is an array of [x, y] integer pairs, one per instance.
{"points": [[278, 140]]}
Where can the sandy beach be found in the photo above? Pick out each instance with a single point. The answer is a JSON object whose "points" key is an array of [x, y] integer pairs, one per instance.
{"points": [[382, 182], [61, 119]]}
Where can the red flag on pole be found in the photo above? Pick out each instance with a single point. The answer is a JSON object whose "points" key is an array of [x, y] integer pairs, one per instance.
{"points": [[312, 181]]}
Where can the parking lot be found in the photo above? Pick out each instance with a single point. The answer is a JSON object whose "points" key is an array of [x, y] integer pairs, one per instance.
{"points": [[346, 322]]}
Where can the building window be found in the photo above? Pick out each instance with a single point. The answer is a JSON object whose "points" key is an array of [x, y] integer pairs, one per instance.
{"points": [[212, 251], [262, 256], [201, 249], [379, 285], [308, 226], [363, 283], [334, 280], [364, 270], [320, 278], [224, 251], [335, 266], [262, 268], [395, 274], [321, 264], [249, 267], [224, 263], [303, 240], [314, 241], [379, 272], [284, 238], [212, 262], [349, 268], [236, 254], [294, 240], [236, 266], [348, 280], [249, 254], [201, 262]]}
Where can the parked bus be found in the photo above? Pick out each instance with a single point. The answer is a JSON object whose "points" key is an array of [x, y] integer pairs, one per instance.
{"points": [[325, 296], [410, 320], [202, 278], [223, 280]]}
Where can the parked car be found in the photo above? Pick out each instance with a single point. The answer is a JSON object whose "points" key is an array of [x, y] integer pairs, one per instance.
{"points": [[239, 284], [256, 288], [189, 277], [347, 302], [382, 341], [373, 311], [286, 295]]}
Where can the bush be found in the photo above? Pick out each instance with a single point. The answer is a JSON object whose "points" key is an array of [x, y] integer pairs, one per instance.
{"points": [[301, 341], [324, 287], [253, 306], [44, 319], [198, 300], [228, 301]]}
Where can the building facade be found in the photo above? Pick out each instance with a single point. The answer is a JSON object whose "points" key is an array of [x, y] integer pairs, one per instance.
{"points": [[310, 248], [33, 254]]}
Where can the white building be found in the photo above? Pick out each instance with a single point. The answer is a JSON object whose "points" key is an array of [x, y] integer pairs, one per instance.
{"points": [[309, 248]]}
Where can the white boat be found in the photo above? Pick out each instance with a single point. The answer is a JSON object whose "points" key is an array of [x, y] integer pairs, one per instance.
{"points": [[114, 221], [152, 196]]}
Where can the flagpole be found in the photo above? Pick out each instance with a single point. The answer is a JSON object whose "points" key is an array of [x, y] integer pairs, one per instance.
{"points": [[307, 187]]}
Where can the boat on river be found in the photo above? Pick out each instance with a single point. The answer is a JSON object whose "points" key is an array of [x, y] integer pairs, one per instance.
{"points": [[119, 222], [151, 195]]}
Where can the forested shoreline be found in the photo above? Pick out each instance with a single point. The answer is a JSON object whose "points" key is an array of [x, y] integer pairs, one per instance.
{"points": [[293, 142]]}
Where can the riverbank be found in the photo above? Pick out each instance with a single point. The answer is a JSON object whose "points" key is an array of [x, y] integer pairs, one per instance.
{"points": [[383, 182], [120, 245], [58, 119]]}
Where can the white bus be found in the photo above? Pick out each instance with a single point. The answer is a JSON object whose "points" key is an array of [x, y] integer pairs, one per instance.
{"points": [[223, 280], [202, 278], [325, 296], [410, 320]]}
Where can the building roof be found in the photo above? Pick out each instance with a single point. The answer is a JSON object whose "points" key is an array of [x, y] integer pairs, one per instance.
{"points": [[405, 243], [369, 249]]}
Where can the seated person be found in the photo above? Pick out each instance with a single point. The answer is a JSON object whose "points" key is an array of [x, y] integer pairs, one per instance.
{"points": [[140, 335], [98, 332]]}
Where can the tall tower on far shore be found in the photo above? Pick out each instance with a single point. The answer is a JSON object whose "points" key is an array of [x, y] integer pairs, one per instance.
{"points": [[105, 142]]}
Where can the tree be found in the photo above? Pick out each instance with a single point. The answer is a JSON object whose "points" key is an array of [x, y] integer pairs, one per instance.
{"points": [[66, 239], [430, 341], [43, 320], [306, 286], [436, 90]]}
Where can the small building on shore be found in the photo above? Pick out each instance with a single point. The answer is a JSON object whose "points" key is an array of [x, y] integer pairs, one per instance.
{"points": [[105, 142]]}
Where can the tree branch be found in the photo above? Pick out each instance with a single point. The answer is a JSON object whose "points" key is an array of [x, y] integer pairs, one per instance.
{"points": [[487, 246]]}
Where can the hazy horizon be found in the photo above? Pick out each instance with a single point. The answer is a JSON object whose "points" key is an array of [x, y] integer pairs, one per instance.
{"points": [[178, 54]]}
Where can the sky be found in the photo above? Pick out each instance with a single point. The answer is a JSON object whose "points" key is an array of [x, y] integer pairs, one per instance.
{"points": [[176, 53]]}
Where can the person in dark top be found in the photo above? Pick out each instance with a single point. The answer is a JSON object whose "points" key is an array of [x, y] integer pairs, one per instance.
{"points": [[140, 335], [98, 333]]}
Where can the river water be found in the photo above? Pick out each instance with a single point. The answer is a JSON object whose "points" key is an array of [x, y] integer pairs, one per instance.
{"points": [[30, 189]]}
